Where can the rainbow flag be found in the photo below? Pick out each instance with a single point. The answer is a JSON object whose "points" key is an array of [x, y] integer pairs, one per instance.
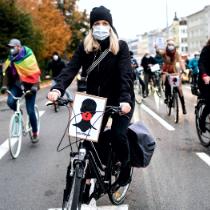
{"points": [[27, 67]]}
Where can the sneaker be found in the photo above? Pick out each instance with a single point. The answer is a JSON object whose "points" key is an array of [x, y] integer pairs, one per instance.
{"points": [[35, 138]]}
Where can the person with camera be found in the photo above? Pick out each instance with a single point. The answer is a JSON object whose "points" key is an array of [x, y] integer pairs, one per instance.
{"points": [[20, 71]]}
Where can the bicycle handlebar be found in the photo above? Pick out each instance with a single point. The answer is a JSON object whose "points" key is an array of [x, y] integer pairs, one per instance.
{"points": [[60, 101], [16, 98]]}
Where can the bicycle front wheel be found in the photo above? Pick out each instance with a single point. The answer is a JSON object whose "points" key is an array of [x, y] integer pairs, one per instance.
{"points": [[175, 107], [73, 195], [203, 137], [168, 105], [15, 135], [137, 91]]}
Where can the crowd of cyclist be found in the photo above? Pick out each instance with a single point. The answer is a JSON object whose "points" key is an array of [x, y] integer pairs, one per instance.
{"points": [[166, 58], [113, 78]]}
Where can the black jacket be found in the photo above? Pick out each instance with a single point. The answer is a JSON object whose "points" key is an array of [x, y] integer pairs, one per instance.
{"points": [[204, 61], [145, 63], [55, 66], [112, 78]]}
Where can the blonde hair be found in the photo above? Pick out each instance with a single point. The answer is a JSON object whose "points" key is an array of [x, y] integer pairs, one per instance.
{"points": [[90, 44]]}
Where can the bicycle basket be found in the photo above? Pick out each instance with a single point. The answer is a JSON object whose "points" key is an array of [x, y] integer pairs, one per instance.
{"points": [[174, 80], [142, 144]]}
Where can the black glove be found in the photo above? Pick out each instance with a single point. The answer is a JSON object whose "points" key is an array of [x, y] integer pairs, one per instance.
{"points": [[3, 89]]}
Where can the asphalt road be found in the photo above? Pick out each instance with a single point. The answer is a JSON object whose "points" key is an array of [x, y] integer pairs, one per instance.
{"points": [[176, 179]]}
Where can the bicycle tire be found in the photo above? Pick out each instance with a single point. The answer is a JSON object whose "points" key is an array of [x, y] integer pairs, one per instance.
{"points": [[15, 135], [175, 107], [73, 200], [204, 138], [168, 106], [38, 122], [55, 107], [117, 197], [137, 92]]}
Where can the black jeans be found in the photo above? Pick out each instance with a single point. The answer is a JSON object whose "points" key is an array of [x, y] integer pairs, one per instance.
{"points": [[119, 137]]}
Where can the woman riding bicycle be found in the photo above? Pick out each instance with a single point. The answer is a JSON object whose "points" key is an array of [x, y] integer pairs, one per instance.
{"points": [[170, 59], [203, 82], [20, 71], [111, 78]]}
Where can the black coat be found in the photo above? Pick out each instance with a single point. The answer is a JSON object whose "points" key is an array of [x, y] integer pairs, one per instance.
{"points": [[145, 63], [204, 61], [112, 78], [56, 67], [204, 68]]}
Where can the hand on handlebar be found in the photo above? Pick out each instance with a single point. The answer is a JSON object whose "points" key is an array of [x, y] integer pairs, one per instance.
{"points": [[53, 95], [125, 107], [206, 80]]}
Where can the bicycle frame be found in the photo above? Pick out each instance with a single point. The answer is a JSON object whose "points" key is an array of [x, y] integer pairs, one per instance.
{"points": [[89, 155], [25, 128]]}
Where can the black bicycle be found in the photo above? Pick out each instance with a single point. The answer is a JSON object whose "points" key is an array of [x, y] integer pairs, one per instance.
{"points": [[172, 104], [86, 158], [204, 137]]}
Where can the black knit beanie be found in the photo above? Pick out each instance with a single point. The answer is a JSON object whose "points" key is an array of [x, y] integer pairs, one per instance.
{"points": [[100, 13]]}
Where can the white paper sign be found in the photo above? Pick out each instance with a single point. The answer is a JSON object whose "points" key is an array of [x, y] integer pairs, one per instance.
{"points": [[160, 43], [87, 116]]}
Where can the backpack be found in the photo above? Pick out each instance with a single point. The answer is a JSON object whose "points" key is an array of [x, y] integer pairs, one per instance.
{"points": [[141, 142]]}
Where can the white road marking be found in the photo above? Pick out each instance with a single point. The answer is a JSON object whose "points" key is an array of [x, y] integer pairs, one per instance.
{"points": [[203, 156], [188, 87], [87, 207], [158, 118], [41, 113], [4, 147]]}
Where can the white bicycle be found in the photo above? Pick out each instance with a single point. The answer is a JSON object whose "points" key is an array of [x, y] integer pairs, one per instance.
{"points": [[20, 125]]}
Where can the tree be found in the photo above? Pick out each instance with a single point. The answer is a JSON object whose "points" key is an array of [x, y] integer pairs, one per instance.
{"points": [[77, 21], [16, 24], [50, 21]]}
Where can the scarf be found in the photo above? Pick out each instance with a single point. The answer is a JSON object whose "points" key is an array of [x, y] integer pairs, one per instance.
{"points": [[25, 65]]}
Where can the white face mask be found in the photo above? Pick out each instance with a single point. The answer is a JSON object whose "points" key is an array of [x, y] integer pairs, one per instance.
{"points": [[55, 57], [13, 51], [171, 47], [101, 32]]}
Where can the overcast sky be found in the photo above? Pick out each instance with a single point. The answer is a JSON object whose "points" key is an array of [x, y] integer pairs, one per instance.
{"points": [[131, 17]]}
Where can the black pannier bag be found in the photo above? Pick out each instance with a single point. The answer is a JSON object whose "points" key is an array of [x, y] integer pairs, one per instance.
{"points": [[142, 144]]}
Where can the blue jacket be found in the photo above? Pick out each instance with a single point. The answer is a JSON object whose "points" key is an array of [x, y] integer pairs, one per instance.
{"points": [[193, 64]]}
